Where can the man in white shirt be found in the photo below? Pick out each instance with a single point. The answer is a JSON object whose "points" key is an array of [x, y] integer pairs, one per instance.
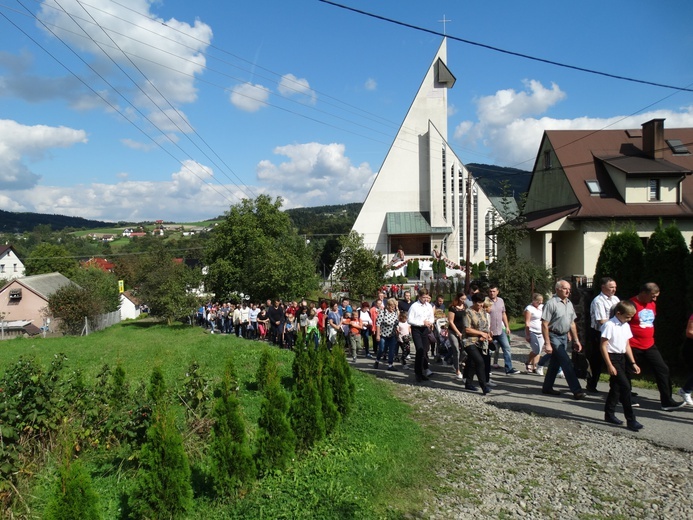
{"points": [[600, 313], [421, 320]]}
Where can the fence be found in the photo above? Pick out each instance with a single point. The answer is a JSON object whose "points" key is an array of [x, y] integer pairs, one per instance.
{"points": [[100, 322]]}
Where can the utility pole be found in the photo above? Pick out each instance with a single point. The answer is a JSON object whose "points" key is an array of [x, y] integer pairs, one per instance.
{"points": [[467, 243]]}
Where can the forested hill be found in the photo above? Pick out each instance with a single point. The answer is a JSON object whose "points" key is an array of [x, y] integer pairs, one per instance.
{"points": [[12, 222], [490, 179], [325, 219]]}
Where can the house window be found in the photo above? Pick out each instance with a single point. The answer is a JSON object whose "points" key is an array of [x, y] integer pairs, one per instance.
{"points": [[593, 187], [15, 268], [547, 160], [677, 147], [2, 268], [654, 189]]}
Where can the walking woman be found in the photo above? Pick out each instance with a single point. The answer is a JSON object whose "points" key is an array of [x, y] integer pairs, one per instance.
{"points": [[456, 314], [478, 336], [386, 334]]}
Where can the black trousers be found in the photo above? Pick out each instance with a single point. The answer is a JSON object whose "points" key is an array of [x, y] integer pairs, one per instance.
{"points": [[475, 362], [652, 358], [419, 336], [619, 388], [594, 358]]}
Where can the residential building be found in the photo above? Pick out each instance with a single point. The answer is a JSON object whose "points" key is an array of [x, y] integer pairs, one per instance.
{"points": [[11, 266], [587, 183], [27, 298]]}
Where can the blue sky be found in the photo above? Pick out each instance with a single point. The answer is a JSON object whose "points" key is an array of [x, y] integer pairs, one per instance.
{"points": [[180, 108]]}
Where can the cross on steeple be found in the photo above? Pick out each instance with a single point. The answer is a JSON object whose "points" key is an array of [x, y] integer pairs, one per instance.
{"points": [[444, 22]]}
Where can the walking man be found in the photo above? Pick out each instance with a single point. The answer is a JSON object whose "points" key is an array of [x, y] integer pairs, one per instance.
{"points": [[600, 313], [557, 320], [500, 328], [643, 345], [421, 320]]}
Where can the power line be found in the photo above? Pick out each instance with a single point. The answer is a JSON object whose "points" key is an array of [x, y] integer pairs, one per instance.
{"points": [[505, 51]]}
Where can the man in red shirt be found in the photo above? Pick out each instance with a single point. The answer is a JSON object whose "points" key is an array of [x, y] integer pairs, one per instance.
{"points": [[643, 345]]}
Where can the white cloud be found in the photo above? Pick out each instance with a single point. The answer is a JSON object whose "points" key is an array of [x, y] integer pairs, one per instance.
{"points": [[249, 97], [290, 86], [170, 53], [511, 136], [370, 84], [315, 174], [20, 142], [137, 145], [190, 194]]}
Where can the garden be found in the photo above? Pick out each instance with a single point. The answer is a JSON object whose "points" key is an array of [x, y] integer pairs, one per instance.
{"points": [[148, 421]]}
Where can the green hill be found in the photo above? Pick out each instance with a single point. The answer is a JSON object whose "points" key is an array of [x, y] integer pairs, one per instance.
{"points": [[13, 222], [490, 179]]}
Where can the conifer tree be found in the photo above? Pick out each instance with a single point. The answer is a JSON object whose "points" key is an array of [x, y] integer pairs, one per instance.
{"points": [[343, 387], [157, 386], [325, 378], [305, 414], [621, 258], [162, 488], [74, 495], [232, 461], [267, 369], [276, 441], [665, 256]]}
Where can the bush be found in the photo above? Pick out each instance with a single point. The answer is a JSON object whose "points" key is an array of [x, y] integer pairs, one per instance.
{"points": [[665, 256], [276, 441], [162, 487], [305, 413], [71, 304], [74, 496], [232, 462], [621, 258]]}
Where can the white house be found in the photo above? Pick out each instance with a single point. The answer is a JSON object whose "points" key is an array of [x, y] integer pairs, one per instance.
{"points": [[11, 266], [129, 306]]}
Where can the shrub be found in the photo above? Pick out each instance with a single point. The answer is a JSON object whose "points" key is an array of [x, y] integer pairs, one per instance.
{"points": [[276, 441], [621, 258], [325, 378], [195, 394], [305, 413], [162, 487], [665, 256], [157, 386], [74, 496], [232, 461], [267, 366], [71, 304]]}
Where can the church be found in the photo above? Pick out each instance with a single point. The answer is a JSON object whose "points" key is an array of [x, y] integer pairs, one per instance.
{"points": [[424, 203]]}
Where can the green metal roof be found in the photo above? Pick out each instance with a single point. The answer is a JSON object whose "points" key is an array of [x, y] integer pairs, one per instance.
{"points": [[412, 223]]}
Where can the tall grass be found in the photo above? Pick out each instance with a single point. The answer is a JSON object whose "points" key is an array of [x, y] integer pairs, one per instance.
{"points": [[370, 467]]}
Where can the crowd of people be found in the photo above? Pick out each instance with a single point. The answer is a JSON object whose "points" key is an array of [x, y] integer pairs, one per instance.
{"points": [[465, 333]]}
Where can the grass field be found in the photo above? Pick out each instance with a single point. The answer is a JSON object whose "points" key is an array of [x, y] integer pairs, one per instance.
{"points": [[370, 467]]}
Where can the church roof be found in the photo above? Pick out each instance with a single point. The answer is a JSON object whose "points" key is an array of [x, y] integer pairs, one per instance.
{"points": [[411, 223]]}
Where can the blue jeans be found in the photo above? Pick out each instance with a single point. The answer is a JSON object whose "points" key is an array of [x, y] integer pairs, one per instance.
{"points": [[502, 340], [391, 345], [560, 359]]}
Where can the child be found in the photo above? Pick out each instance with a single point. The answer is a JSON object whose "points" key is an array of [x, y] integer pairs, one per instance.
{"points": [[615, 346], [352, 320], [290, 331], [404, 338]]}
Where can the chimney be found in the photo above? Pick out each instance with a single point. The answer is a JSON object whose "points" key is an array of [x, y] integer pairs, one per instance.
{"points": [[653, 138]]}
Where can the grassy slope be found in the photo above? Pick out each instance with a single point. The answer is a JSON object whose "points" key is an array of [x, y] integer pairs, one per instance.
{"points": [[370, 468]]}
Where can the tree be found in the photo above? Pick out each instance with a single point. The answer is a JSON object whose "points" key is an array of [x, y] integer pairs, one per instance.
{"points": [[71, 304], [232, 460], [256, 250], [359, 267], [166, 285], [162, 488], [621, 258], [102, 284], [665, 256], [49, 258], [517, 277], [74, 495]]}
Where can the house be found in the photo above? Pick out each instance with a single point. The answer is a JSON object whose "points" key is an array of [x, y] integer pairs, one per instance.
{"points": [[138, 234], [27, 298], [129, 306], [587, 183], [99, 263], [423, 198], [11, 266]]}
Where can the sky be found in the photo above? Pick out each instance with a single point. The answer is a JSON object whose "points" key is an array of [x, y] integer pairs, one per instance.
{"points": [[140, 110]]}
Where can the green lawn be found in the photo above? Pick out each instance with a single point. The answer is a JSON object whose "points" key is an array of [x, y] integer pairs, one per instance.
{"points": [[370, 467]]}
